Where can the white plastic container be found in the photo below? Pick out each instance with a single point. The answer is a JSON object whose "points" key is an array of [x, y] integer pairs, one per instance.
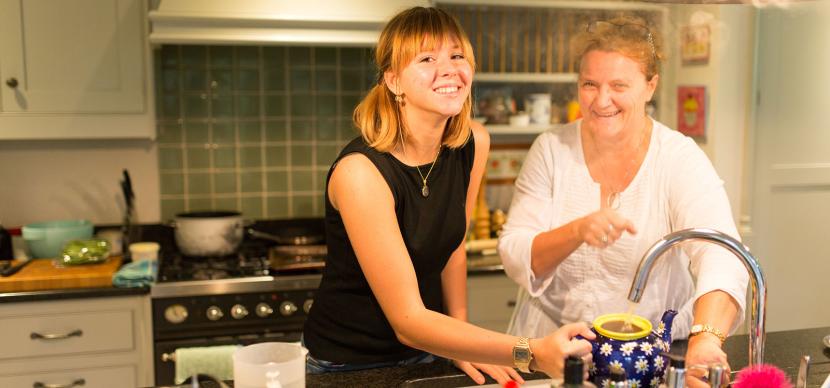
{"points": [[539, 107], [144, 251], [270, 365]]}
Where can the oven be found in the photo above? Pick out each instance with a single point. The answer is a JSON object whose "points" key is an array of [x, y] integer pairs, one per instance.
{"points": [[259, 294]]}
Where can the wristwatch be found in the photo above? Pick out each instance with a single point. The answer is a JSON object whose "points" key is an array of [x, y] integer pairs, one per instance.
{"points": [[705, 328], [522, 355]]}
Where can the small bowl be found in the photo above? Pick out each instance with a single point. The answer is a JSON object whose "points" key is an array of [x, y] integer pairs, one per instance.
{"points": [[91, 251], [46, 239], [520, 120]]}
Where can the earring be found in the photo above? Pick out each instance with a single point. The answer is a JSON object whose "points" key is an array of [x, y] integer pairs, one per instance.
{"points": [[399, 98]]}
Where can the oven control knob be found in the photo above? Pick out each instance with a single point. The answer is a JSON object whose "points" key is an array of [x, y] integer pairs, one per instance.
{"points": [[214, 313], [239, 311], [175, 313], [287, 308], [307, 305], [263, 310]]}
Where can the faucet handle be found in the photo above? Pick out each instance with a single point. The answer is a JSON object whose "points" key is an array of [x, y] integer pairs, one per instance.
{"points": [[715, 377], [803, 370]]}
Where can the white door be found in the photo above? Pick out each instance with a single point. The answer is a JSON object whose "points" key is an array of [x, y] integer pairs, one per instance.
{"points": [[78, 56], [791, 210]]}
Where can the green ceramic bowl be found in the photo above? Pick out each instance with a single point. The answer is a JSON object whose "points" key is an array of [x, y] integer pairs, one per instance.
{"points": [[46, 239]]}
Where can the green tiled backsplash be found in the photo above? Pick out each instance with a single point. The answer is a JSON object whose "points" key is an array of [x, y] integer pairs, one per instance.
{"points": [[254, 129]]}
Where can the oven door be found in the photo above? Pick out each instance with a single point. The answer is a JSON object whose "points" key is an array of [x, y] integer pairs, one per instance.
{"points": [[165, 359]]}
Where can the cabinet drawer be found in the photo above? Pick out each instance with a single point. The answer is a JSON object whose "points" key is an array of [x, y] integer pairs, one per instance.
{"points": [[50, 335], [105, 377]]}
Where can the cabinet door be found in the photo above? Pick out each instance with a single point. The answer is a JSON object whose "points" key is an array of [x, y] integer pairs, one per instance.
{"points": [[72, 56], [490, 300]]}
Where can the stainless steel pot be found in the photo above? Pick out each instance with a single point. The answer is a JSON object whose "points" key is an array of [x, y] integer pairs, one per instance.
{"points": [[208, 233]]}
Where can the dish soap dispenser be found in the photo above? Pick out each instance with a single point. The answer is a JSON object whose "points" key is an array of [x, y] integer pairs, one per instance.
{"points": [[575, 374]]}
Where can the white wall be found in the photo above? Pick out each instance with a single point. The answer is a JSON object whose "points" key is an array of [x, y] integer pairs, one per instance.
{"points": [[49, 180], [728, 81]]}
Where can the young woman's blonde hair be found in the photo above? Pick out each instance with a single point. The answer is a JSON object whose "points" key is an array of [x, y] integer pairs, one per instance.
{"points": [[408, 33], [628, 35]]}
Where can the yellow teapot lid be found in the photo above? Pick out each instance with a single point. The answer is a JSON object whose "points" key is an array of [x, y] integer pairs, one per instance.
{"points": [[636, 320]]}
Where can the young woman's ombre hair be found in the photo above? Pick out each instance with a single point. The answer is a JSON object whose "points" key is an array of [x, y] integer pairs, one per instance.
{"points": [[408, 33]]}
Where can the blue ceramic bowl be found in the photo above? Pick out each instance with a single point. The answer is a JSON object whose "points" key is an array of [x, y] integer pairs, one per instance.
{"points": [[46, 239]]}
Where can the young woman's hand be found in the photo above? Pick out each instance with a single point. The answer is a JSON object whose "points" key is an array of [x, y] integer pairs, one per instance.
{"points": [[501, 374], [549, 353]]}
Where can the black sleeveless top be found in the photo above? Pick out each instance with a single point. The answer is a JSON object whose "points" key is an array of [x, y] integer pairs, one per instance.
{"points": [[346, 323]]}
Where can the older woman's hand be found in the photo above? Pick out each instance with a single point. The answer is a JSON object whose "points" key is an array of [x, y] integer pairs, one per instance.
{"points": [[704, 350], [603, 227]]}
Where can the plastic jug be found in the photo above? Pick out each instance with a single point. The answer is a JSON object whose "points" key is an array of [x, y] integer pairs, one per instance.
{"points": [[270, 365]]}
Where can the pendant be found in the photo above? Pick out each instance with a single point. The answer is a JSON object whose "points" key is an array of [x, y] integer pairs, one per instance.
{"points": [[613, 200], [425, 191]]}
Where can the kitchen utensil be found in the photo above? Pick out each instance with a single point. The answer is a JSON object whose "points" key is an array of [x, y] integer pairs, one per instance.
{"points": [[270, 364], [13, 269], [208, 233], [297, 257], [826, 341], [46, 239], [129, 197], [629, 349], [803, 372], [289, 236]]}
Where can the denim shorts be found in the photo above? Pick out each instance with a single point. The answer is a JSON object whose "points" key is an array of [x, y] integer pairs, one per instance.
{"points": [[317, 366]]}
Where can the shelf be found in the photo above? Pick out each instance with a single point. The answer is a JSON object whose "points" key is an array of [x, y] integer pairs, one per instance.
{"points": [[502, 129], [526, 77]]}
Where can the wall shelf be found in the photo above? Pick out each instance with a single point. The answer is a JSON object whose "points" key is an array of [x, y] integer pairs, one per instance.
{"points": [[526, 77], [503, 129]]}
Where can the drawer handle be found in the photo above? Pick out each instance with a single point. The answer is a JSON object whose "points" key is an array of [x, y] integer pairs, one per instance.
{"points": [[511, 303], [76, 383], [168, 357], [76, 333]]}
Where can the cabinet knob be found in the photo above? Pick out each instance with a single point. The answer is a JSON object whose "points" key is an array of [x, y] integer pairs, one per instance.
{"points": [[12, 82]]}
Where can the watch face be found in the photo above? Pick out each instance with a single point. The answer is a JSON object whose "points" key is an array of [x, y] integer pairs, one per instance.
{"points": [[521, 354]]}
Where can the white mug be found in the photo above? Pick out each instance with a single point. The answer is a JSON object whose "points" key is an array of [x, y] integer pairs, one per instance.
{"points": [[539, 107]]}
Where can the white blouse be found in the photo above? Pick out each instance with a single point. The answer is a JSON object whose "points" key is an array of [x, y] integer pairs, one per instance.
{"points": [[675, 188]]}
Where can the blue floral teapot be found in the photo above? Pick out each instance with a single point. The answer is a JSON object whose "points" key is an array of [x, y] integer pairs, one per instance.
{"points": [[636, 350]]}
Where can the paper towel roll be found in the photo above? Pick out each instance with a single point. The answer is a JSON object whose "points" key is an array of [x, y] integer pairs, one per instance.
{"points": [[212, 360]]}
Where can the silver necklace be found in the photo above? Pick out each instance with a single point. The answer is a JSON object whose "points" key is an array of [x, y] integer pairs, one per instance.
{"points": [[613, 200]]}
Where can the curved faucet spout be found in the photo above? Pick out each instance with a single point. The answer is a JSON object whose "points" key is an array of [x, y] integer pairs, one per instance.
{"points": [[757, 333]]}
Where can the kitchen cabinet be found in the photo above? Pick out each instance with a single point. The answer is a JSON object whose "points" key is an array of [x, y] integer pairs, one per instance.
{"points": [[98, 342], [75, 69], [491, 297]]}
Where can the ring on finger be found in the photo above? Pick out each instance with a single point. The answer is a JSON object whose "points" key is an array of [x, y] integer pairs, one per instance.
{"points": [[610, 228], [604, 239]]}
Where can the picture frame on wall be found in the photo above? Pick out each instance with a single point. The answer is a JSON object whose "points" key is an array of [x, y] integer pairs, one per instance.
{"points": [[695, 44], [691, 111]]}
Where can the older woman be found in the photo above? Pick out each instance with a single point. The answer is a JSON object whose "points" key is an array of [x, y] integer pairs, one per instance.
{"points": [[594, 194], [398, 200]]}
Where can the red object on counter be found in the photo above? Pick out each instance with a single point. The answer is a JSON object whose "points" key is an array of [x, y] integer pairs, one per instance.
{"points": [[511, 384], [762, 376]]}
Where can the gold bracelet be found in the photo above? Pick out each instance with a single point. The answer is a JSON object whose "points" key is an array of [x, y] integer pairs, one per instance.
{"points": [[706, 328]]}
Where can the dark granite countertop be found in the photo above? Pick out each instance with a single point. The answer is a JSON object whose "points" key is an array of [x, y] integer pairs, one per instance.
{"points": [[73, 293], [783, 349]]}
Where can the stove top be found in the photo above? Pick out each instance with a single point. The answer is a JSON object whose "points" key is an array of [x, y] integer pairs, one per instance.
{"points": [[254, 268]]}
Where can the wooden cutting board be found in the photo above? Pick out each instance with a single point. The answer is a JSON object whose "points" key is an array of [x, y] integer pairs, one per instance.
{"points": [[43, 274]]}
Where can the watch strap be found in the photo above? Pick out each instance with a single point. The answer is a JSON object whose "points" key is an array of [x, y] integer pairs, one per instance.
{"points": [[706, 328], [522, 355]]}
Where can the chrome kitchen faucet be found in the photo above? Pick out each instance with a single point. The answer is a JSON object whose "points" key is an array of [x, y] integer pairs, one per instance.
{"points": [[757, 333]]}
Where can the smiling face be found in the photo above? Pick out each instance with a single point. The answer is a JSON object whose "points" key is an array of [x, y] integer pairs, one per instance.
{"points": [[613, 92], [435, 82]]}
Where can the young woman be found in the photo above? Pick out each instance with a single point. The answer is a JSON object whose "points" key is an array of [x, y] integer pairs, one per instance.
{"points": [[398, 201]]}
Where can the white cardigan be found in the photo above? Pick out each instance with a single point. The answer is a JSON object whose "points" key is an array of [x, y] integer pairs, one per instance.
{"points": [[675, 188]]}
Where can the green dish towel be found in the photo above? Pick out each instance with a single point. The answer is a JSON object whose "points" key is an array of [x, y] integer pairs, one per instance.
{"points": [[216, 361], [140, 273]]}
